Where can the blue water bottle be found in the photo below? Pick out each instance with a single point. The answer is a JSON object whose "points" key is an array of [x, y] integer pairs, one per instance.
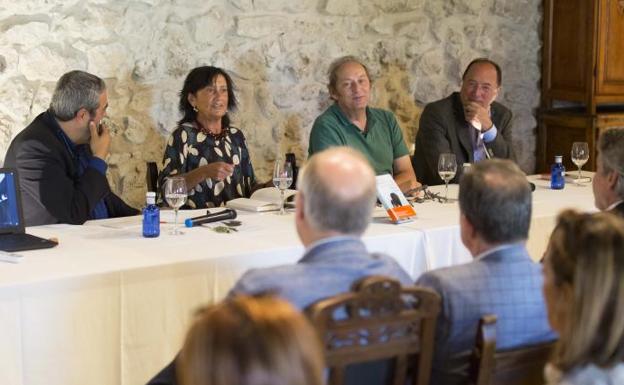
{"points": [[151, 216], [557, 174]]}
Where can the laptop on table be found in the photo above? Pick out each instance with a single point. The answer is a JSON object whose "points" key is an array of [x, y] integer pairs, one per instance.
{"points": [[13, 237]]}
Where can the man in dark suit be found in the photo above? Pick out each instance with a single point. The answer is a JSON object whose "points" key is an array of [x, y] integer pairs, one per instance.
{"points": [[495, 213], [333, 209], [608, 183], [467, 123], [61, 156]]}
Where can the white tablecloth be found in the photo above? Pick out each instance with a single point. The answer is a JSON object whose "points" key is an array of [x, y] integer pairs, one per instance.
{"points": [[110, 307]]}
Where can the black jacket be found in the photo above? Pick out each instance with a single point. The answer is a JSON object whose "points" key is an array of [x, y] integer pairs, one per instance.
{"points": [[52, 191], [443, 128]]}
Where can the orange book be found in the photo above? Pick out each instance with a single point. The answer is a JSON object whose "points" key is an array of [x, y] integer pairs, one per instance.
{"points": [[401, 213], [398, 208]]}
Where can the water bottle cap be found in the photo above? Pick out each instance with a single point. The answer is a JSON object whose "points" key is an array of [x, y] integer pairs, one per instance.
{"points": [[188, 222], [150, 197], [558, 158]]}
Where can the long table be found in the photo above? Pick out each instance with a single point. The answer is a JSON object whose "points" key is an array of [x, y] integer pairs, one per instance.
{"points": [[107, 306]]}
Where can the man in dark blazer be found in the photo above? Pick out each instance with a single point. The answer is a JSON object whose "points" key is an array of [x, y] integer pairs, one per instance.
{"points": [[608, 183], [495, 214], [467, 123], [60, 157]]}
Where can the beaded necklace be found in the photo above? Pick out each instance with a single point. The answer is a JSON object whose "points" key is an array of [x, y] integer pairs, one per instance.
{"points": [[208, 133]]}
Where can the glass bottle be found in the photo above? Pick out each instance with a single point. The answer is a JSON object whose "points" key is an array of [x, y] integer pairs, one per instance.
{"points": [[557, 174], [151, 216]]}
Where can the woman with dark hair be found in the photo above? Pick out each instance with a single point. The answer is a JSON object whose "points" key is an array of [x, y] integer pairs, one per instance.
{"points": [[205, 149], [584, 292]]}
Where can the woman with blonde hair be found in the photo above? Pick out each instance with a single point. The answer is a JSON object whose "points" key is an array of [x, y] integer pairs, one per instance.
{"points": [[584, 292], [250, 341]]}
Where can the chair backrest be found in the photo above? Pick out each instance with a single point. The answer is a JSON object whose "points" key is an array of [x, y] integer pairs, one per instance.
{"points": [[521, 366], [290, 157], [378, 320], [151, 177]]}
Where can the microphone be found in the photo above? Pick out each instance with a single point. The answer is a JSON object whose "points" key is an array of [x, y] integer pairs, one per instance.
{"points": [[209, 218]]}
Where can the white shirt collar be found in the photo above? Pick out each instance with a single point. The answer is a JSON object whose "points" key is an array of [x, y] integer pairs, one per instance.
{"points": [[497, 248], [328, 240], [614, 205]]}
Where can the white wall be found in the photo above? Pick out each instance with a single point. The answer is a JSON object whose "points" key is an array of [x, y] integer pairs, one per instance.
{"points": [[278, 52]]}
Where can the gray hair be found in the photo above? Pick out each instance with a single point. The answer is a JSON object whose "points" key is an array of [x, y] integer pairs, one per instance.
{"points": [[335, 66], [326, 209], [611, 148], [76, 90], [495, 197]]}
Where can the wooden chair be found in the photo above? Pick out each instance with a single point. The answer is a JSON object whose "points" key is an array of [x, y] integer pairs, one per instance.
{"points": [[522, 366], [378, 320], [151, 178], [290, 157]]}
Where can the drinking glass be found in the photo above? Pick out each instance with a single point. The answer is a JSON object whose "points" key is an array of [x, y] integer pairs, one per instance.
{"points": [[282, 179], [447, 167], [579, 155], [175, 195]]}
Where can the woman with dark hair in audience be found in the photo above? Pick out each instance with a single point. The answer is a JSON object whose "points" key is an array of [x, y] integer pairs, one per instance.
{"points": [[584, 292], [251, 341], [205, 149]]}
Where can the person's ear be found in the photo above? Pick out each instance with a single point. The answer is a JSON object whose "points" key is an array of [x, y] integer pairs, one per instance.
{"points": [[612, 179], [191, 99], [495, 94], [332, 93], [299, 212], [467, 227], [83, 114]]}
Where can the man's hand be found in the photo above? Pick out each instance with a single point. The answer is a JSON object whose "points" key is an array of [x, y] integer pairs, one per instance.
{"points": [[100, 142], [411, 188], [475, 111], [218, 170]]}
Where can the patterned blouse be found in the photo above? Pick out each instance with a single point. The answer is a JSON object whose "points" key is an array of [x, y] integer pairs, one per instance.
{"points": [[189, 148]]}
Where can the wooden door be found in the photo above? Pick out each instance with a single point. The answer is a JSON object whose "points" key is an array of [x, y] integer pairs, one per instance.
{"points": [[610, 66], [568, 56]]}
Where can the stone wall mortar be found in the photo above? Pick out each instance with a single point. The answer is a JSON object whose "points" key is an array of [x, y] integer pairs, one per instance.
{"points": [[278, 53]]}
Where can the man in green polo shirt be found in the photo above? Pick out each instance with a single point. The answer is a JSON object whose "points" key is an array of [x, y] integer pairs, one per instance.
{"points": [[350, 122]]}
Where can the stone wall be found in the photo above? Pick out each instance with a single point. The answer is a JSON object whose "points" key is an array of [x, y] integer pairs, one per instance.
{"points": [[278, 52]]}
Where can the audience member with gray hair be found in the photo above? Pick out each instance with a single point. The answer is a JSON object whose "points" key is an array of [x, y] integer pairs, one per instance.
{"points": [[61, 157], [608, 181], [333, 208], [495, 213]]}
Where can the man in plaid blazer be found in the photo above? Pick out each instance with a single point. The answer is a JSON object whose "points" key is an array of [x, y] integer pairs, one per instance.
{"points": [[495, 212], [608, 182]]}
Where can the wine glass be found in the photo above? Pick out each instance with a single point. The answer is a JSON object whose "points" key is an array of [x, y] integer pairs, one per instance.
{"points": [[447, 167], [282, 179], [579, 155], [175, 195]]}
